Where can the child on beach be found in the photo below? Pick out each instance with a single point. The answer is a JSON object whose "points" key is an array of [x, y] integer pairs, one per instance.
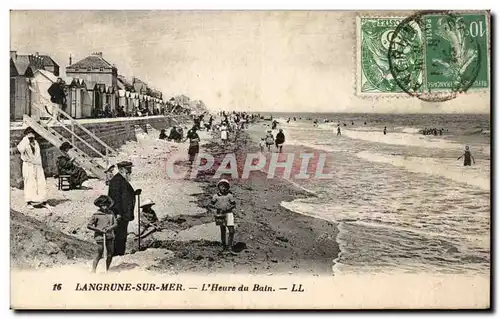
{"points": [[223, 133], [467, 157], [149, 222], [103, 222], [269, 140], [262, 144], [223, 203]]}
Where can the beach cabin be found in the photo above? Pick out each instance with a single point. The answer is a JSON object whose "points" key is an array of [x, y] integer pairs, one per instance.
{"points": [[41, 82], [122, 99], [79, 99], [112, 97], [135, 100], [21, 73]]}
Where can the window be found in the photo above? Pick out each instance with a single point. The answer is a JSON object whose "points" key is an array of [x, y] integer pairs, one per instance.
{"points": [[89, 69], [101, 69]]}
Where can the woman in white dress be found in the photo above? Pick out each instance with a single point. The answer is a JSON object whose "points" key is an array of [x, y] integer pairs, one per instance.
{"points": [[35, 186]]}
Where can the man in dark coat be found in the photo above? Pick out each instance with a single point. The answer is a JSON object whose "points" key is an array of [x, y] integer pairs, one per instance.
{"points": [[57, 95], [123, 195]]}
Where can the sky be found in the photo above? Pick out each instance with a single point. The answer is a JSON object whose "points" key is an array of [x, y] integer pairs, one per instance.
{"points": [[282, 61]]}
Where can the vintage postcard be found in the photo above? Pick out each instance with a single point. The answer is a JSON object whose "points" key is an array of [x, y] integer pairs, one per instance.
{"points": [[250, 159]]}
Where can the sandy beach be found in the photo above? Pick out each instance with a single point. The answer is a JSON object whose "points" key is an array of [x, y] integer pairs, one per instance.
{"points": [[277, 240]]}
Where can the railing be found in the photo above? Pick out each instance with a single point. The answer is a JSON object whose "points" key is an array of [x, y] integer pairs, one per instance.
{"points": [[80, 139], [108, 150]]}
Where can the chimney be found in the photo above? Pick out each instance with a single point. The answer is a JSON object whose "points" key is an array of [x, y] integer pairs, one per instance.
{"points": [[70, 60], [37, 54], [13, 55], [99, 54]]}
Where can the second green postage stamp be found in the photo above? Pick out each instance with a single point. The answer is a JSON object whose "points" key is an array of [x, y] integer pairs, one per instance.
{"points": [[432, 55]]}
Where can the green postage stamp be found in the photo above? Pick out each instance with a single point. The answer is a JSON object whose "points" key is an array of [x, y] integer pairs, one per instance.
{"points": [[432, 55]]}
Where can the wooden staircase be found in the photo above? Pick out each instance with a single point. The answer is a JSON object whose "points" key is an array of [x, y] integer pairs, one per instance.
{"points": [[95, 165]]}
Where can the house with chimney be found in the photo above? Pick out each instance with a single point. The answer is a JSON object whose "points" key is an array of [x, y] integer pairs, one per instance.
{"points": [[100, 78]]}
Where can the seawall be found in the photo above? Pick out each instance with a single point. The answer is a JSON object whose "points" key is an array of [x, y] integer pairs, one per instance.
{"points": [[114, 132]]}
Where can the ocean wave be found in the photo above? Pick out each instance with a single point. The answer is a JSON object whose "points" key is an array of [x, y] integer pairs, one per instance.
{"points": [[395, 138], [365, 243], [411, 130], [320, 147], [477, 175], [478, 132]]}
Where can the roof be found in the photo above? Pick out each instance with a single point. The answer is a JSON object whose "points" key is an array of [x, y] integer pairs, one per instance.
{"points": [[77, 82], [137, 80], [21, 63], [92, 61], [123, 82], [47, 74], [47, 61], [13, 69], [26, 65], [120, 85]]}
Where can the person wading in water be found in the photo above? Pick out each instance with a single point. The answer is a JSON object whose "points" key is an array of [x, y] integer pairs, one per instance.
{"points": [[467, 157]]}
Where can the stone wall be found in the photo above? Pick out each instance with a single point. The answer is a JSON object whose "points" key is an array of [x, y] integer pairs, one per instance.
{"points": [[114, 132]]}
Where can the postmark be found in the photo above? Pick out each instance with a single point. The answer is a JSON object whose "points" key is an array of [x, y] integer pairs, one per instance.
{"points": [[436, 55], [431, 55]]}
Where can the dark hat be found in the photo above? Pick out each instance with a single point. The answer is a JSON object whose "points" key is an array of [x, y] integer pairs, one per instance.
{"points": [[29, 130], [104, 200], [110, 169], [124, 164], [65, 146]]}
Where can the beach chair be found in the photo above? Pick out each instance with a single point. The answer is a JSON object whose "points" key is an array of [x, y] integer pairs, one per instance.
{"points": [[63, 182]]}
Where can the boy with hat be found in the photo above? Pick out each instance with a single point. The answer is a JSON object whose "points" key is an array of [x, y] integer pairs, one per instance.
{"points": [[223, 203], [149, 221], [103, 223]]}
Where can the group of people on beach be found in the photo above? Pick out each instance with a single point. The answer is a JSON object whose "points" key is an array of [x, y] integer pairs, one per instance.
{"points": [[269, 140], [433, 131], [114, 213], [115, 210], [34, 181]]}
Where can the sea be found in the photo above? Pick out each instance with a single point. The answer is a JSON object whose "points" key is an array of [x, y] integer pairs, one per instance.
{"points": [[402, 201]]}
